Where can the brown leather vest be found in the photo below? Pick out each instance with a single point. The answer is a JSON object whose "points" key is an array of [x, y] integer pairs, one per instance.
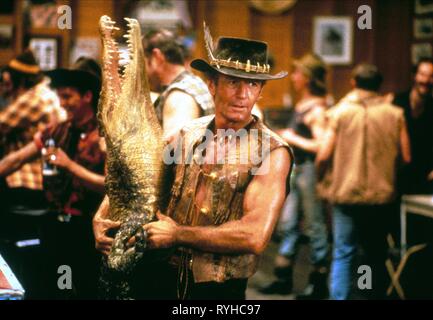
{"points": [[224, 186]]}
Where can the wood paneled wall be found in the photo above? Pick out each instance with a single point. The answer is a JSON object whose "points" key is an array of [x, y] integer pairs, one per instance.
{"points": [[289, 36], [236, 18], [280, 46], [87, 13], [393, 40]]}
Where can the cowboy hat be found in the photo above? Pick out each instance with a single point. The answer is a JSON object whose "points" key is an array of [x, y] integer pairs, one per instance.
{"points": [[25, 63], [85, 74], [237, 57]]}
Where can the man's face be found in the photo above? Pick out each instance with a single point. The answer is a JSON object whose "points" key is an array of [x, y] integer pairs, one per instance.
{"points": [[424, 79], [235, 97], [299, 80], [152, 73], [74, 103]]}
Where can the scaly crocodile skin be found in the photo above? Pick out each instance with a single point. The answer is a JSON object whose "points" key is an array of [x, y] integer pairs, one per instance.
{"points": [[133, 135]]}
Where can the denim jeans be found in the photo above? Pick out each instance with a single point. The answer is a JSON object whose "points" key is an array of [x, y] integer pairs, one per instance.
{"points": [[366, 226], [303, 196]]}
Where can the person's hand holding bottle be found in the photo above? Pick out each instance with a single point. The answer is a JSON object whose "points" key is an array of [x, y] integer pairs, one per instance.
{"points": [[60, 159]]}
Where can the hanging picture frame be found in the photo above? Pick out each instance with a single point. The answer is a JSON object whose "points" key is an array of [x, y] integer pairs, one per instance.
{"points": [[333, 39], [423, 28], [45, 50], [6, 35], [423, 6], [421, 50]]}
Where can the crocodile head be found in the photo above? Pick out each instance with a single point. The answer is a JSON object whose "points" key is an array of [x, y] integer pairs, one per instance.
{"points": [[123, 94]]}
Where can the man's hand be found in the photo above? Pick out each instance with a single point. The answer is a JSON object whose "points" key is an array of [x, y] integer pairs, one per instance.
{"points": [[288, 134], [60, 159], [100, 228], [161, 233], [89, 179], [15, 160], [430, 176]]}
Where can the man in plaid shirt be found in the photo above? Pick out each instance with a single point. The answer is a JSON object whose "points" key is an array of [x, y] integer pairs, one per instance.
{"points": [[78, 187], [34, 107]]}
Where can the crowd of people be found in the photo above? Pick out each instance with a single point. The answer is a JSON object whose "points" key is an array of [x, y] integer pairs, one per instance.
{"points": [[351, 161]]}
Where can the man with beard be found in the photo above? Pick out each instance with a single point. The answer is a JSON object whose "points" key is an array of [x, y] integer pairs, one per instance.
{"points": [[417, 103], [417, 176]]}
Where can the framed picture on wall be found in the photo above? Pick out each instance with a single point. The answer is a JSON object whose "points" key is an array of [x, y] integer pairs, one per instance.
{"points": [[43, 15], [421, 50], [423, 28], [333, 39], [46, 52], [423, 6], [6, 36]]}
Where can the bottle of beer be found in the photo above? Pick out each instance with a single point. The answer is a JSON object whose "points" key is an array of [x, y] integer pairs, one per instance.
{"points": [[53, 180], [48, 152]]}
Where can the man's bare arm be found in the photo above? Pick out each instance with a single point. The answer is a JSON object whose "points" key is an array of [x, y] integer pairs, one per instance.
{"points": [[90, 180], [179, 109], [317, 125], [296, 140], [405, 144], [325, 151], [263, 200], [15, 160]]}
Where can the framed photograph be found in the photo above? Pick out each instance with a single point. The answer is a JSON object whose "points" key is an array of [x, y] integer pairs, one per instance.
{"points": [[6, 36], [46, 52], [423, 28], [421, 50], [423, 6], [167, 14], [333, 39], [44, 15]]}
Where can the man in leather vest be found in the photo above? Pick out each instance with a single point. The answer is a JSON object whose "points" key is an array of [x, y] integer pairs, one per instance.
{"points": [[365, 141], [226, 197], [221, 215]]}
